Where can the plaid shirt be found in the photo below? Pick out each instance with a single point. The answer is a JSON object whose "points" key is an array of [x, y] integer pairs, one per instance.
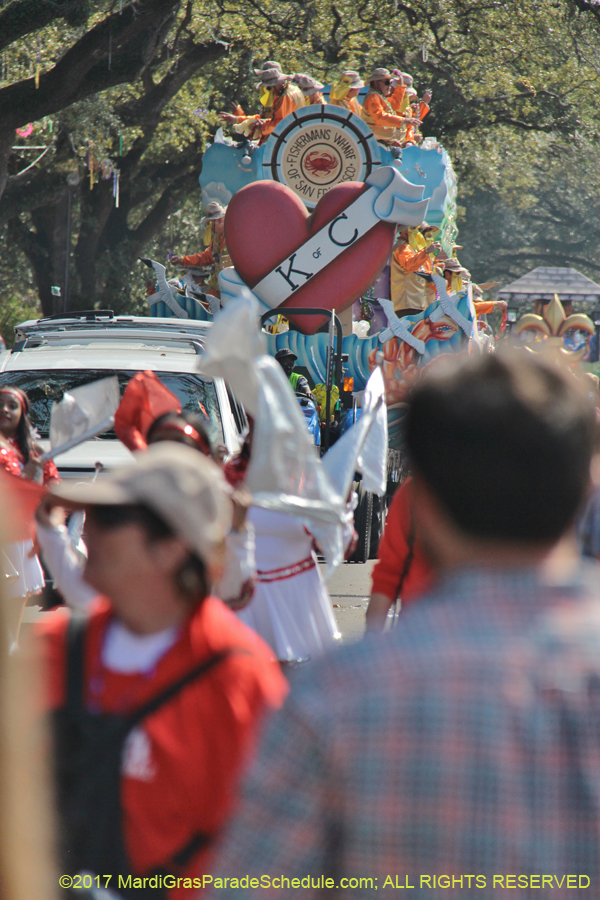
{"points": [[464, 742]]}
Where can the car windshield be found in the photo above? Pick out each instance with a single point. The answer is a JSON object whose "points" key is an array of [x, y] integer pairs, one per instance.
{"points": [[195, 393]]}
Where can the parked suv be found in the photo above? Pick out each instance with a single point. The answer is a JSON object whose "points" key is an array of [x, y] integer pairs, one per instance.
{"points": [[56, 354]]}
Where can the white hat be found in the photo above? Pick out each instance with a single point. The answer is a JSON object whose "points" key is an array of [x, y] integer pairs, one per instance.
{"points": [[269, 64], [214, 210], [307, 85], [271, 77], [352, 78], [378, 75], [180, 485]]}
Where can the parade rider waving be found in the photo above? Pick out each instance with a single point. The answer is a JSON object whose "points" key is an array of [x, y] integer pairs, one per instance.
{"points": [[216, 254], [278, 97], [383, 108]]}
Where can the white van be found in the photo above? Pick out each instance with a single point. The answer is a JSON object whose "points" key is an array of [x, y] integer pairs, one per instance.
{"points": [[59, 353]]}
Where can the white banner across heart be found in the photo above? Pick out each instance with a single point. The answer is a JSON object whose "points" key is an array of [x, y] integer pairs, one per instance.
{"points": [[389, 198]]}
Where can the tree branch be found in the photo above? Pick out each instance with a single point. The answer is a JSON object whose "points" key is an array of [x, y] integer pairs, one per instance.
{"points": [[128, 41], [22, 17]]}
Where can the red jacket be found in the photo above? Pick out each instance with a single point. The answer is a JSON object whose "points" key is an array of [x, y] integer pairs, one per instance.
{"points": [[393, 550], [197, 744]]}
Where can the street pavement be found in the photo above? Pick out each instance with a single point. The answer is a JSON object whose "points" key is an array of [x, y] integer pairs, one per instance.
{"points": [[349, 589]]}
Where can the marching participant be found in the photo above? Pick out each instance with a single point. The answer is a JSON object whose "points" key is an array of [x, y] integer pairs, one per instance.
{"points": [[345, 92], [159, 691], [290, 607], [382, 108], [402, 570], [20, 456], [149, 414]]}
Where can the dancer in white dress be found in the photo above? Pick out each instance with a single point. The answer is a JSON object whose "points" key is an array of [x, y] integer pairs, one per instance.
{"points": [[290, 609]]}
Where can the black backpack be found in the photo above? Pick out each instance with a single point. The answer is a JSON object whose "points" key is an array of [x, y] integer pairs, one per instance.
{"points": [[88, 755]]}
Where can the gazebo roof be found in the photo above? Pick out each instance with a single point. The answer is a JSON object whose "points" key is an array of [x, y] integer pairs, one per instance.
{"points": [[544, 282]]}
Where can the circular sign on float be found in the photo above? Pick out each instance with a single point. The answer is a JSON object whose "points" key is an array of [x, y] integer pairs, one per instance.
{"points": [[317, 147]]}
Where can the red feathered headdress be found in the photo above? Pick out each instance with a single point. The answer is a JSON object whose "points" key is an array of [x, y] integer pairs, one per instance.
{"points": [[144, 401]]}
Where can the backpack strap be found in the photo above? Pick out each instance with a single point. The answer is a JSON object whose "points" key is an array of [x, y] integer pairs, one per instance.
{"points": [[75, 653], [173, 689]]}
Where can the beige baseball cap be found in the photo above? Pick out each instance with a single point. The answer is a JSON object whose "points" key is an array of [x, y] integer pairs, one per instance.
{"points": [[182, 486]]}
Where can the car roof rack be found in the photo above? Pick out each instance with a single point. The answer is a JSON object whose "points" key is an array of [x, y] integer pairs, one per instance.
{"points": [[89, 314], [38, 339]]}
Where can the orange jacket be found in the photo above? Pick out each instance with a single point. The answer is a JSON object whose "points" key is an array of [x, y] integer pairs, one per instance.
{"points": [[283, 106], [352, 104], [410, 131], [198, 743], [411, 260], [206, 258], [483, 307], [393, 551], [384, 124]]}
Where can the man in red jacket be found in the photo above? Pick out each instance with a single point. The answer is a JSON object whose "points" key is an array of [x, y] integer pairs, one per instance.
{"points": [[158, 692]]}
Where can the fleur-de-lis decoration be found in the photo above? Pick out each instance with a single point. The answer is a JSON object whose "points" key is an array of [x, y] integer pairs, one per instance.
{"points": [[554, 325]]}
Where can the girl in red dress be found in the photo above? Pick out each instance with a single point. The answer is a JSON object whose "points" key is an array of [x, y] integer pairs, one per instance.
{"points": [[20, 456]]}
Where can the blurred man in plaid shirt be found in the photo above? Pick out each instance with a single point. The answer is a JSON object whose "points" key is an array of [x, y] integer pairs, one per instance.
{"points": [[461, 750]]}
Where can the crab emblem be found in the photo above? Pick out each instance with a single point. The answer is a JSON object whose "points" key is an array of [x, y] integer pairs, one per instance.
{"points": [[320, 163]]}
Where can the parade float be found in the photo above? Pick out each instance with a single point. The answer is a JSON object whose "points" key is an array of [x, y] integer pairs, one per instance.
{"points": [[320, 201], [311, 223]]}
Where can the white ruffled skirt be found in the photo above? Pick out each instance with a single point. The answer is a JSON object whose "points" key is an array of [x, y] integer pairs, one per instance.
{"points": [[294, 616], [23, 574]]}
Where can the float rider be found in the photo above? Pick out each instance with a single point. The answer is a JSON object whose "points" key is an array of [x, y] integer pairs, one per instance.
{"points": [[382, 108], [311, 89], [216, 254], [414, 109], [414, 253], [286, 360], [344, 93], [456, 275], [278, 97]]}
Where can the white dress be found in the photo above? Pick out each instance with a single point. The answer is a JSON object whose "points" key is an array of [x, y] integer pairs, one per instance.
{"points": [[23, 573], [290, 609]]}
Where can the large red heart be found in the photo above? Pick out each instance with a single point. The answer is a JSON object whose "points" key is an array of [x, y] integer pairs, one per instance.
{"points": [[266, 222]]}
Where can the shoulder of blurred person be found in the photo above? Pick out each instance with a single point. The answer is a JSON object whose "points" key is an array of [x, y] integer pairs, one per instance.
{"points": [[378, 744]]}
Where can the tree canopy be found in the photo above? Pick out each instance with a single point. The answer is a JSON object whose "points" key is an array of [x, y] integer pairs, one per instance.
{"points": [[123, 98]]}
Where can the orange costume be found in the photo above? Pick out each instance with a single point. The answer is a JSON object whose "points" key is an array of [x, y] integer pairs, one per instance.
{"points": [[484, 307], [411, 113], [290, 99], [217, 255], [282, 107], [384, 115], [352, 105], [410, 291]]}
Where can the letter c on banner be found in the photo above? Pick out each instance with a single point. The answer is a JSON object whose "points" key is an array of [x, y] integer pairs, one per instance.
{"points": [[341, 243]]}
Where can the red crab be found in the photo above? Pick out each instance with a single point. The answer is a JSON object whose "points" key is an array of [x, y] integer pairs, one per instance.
{"points": [[320, 163]]}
